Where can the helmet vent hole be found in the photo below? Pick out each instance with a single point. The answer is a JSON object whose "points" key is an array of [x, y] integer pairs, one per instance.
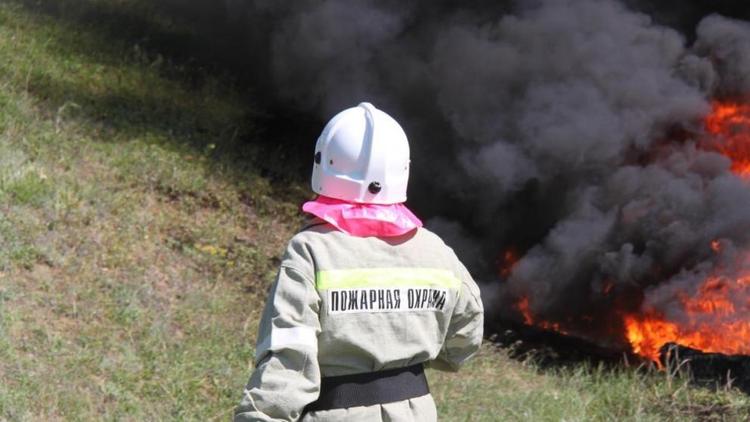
{"points": [[330, 162], [374, 188], [317, 157]]}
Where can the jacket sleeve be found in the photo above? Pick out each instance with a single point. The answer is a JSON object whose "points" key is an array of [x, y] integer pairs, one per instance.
{"points": [[466, 327], [286, 376]]}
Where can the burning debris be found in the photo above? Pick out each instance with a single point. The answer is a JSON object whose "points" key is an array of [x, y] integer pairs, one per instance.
{"points": [[705, 313], [715, 317], [715, 310], [654, 250]]}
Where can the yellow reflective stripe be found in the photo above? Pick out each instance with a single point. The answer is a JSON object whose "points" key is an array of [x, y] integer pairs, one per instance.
{"points": [[386, 277]]}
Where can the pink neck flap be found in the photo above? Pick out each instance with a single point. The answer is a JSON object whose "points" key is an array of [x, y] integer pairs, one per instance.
{"points": [[364, 220]]}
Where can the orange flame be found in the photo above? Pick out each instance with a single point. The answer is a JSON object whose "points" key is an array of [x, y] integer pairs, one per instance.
{"points": [[507, 262], [717, 320], [523, 306], [729, 126]]}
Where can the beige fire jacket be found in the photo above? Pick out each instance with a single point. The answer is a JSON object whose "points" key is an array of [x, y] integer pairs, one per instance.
{"points": [[343, 305]]}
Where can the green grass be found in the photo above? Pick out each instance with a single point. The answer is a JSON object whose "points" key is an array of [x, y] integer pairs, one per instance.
{"points": [[139, 229], [134, 249]]}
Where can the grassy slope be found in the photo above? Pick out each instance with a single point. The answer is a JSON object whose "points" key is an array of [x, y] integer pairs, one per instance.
{"points": [[135, 251]]}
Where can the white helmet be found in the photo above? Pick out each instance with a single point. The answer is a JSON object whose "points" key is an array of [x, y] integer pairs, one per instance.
{"points": [[362, 156]]}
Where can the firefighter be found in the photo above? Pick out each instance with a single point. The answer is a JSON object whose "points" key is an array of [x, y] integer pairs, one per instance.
{"points": [[365, 297]]}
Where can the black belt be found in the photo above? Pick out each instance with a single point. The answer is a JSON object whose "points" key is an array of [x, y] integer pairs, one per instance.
{"points": [[370, 388]]}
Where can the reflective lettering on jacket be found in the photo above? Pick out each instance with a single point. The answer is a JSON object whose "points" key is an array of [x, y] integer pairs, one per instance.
{"points": [[386, 289], [387, 299]]}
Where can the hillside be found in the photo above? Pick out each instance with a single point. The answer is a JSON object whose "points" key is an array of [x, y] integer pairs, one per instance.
{"points": [[143, 207]]}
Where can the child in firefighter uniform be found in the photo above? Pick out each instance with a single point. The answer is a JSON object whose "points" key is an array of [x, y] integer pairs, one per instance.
{"points": [[365, 297]]}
